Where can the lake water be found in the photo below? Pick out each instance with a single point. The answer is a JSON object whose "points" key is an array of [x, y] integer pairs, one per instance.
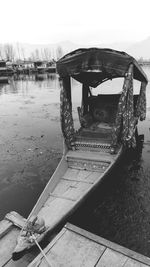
{"points": [[31, 147]]}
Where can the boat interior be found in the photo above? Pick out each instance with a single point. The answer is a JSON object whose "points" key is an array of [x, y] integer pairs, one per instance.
{"points": [[97, 124], [80, 169]]}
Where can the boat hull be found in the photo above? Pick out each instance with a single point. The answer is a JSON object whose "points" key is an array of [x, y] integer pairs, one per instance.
{"points": [[78, 175]]}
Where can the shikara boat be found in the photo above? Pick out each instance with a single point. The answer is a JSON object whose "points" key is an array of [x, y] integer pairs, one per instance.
{"points": [[107, 127]]}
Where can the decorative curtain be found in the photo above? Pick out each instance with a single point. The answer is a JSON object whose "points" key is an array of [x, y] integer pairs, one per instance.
{"points": [[141, 103], [66, 118], [125, 121]]}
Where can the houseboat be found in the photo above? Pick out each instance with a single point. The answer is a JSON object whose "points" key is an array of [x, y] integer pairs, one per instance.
{"points": [[3, 72], [40, 67]]}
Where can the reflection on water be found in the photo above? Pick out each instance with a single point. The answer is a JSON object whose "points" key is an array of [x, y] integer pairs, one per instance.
{"points": [[31, 147]]}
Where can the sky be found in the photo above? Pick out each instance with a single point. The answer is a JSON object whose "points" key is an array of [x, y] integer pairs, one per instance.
{"points": [[79, 21]]}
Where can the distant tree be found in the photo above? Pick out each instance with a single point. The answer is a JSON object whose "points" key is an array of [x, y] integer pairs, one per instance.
{"points": [[37, 54], [32, 56], [59, 52], [9, 52], [47, 54], [1, 52], [141, 59], [23, 53]]}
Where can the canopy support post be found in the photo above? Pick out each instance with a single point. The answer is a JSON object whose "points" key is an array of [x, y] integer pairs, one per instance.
{"points": [[85, 90], [66, 83], [66, 118]]}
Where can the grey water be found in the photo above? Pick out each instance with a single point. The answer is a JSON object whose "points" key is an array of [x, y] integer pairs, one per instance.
{"points": [[31, 147]]}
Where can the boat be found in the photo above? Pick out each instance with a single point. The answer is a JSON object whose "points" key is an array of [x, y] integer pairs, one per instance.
{"points": [[40, 66], [3, 72], [51, 67], [74, 246], [108, 127]]}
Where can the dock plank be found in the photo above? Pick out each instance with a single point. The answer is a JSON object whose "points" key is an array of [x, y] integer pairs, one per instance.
{"points": [[72, 251], [112, 258], [133, 263], [5, 227], [123, 250], [7, 244]]}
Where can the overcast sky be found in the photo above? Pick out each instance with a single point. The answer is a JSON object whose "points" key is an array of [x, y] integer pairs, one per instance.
{"points": [[80, 21]]}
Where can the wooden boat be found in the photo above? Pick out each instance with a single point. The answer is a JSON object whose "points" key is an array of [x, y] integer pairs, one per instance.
{"points": [[74, 246], [3, 72], [40, 67], [108, 125]]}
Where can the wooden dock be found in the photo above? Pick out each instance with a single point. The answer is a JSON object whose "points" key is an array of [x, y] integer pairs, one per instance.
{"points": [[9, 231], [72, 247], [75, 247]]}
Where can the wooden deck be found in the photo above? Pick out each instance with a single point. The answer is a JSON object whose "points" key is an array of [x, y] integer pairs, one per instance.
{"points": [[9, 231], [72, 247], [75, 247]]}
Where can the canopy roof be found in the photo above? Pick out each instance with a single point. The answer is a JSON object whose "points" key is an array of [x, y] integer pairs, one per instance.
{"points": [[93, 66]]}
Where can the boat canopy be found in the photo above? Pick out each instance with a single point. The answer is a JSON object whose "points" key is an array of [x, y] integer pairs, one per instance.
{"points": [[93, 66]]}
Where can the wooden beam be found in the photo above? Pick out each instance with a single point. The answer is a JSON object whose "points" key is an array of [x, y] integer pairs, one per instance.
{"points": [[5, 227], [16, 219]]}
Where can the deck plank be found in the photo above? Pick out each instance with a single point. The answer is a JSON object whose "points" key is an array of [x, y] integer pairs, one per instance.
{"points": [[70, 189], [63, 186], [112, 258], [71, 173], [82, 175], [73, 250], [54, 211], [77, 191]]}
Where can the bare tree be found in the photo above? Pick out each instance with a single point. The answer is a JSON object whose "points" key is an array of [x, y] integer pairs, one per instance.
{"points": [[18, 50], [37, 54], [59, 52], [1, 52], [47, 54], [9, 52], [23, 53]]}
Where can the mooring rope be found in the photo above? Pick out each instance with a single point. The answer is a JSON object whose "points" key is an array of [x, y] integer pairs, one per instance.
{"points": [[43, 253]]}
